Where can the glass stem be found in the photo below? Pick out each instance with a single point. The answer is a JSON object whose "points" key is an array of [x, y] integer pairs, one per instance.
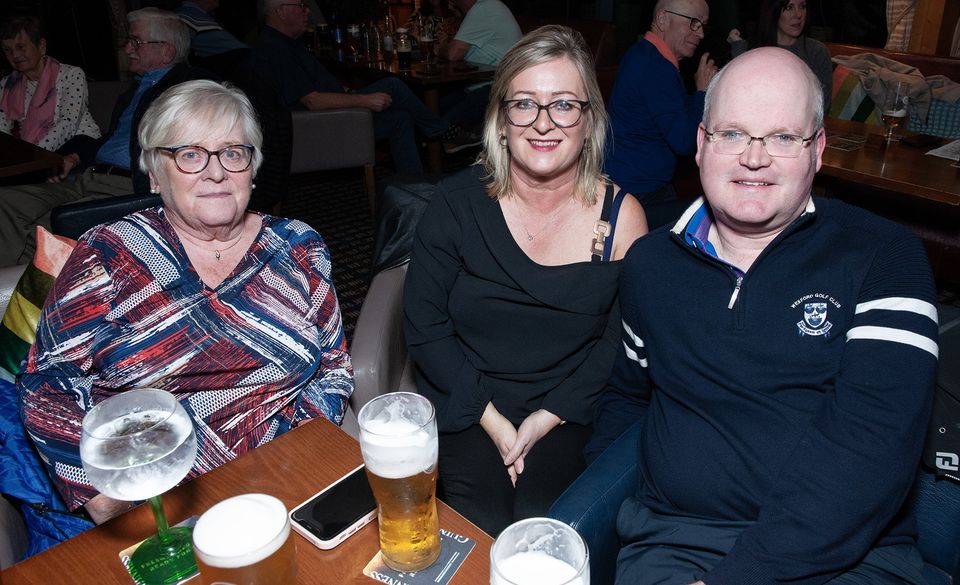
{"points": [[156, 504]]}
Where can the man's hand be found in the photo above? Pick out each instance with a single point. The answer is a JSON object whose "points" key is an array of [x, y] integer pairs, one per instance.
{"points": [[102, 508], [705, 72], [69, 162], [531, 430], [377, 102], [503, 434], [734, 36]]}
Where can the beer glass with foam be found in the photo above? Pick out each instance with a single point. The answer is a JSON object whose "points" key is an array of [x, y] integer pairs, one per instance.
{"points": [[398, 439], [245, 539], [539, 551]]}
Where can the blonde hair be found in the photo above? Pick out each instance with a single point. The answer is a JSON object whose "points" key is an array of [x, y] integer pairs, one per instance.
{"points": [[544, 44]]}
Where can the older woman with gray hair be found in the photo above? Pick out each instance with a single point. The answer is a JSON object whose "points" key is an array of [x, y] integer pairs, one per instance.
{"points": [[510, 300], [233, 312]]}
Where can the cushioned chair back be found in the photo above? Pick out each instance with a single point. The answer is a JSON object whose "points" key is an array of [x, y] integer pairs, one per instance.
{"points": [[378, 349], [73, 219]]}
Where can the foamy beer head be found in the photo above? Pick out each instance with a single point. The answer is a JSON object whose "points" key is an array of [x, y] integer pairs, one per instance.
{"points": [[245, 539], [398, 439], [539, 551], [398, 435]]}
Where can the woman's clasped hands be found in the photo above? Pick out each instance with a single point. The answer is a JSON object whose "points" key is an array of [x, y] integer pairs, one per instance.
{"points": [[514, 443]]}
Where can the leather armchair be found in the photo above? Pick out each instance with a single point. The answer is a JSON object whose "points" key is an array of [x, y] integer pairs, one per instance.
{"points": [[335, 139], [379, 352]]}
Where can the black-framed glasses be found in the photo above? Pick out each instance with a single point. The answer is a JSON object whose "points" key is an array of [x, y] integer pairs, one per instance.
{"points": [[300, 5], [695, 23], [563, 113], [778, 144], [191, 160], [137, 43]]}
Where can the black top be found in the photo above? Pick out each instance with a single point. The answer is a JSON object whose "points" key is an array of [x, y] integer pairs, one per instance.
{"points": [[485, 323]]}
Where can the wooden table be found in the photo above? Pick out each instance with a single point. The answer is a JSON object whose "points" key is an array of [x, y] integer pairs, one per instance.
{"points": [[292, 467], [427, 81], [18, 157], [897, 168]]}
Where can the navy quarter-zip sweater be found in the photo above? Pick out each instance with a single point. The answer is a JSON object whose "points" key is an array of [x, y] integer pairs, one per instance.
{"points": [[794, 398]]}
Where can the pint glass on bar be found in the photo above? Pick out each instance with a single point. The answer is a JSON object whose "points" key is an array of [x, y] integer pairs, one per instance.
{"points": [[398, 438], [539, 551], [245, 539]]}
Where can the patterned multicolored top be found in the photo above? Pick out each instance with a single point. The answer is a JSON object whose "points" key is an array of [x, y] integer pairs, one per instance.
{"points": [[254, 357]]}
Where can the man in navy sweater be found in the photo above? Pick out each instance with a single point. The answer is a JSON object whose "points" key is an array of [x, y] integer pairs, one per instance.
{"points": [[652, 118], [779, 351]]}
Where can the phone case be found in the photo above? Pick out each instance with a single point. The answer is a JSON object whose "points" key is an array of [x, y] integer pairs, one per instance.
{"points": [[328, 544]]}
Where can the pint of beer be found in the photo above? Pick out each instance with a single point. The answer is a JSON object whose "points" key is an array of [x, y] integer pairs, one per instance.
{"points": [[245, 540], [398, 438], [539, 551]]}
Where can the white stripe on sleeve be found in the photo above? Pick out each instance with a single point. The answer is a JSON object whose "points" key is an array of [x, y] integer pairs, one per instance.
{"points": [[894, 335], [900, 304]]}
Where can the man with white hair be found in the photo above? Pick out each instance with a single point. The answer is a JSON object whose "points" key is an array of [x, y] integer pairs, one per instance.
{"points": [[652, 118], [779, 353], [156, 47]]}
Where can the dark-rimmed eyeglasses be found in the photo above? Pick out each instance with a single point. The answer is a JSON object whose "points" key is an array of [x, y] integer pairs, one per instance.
{"points": [[137, 43], [778, 144], [695, 23], [191, 160], [563, 113]]}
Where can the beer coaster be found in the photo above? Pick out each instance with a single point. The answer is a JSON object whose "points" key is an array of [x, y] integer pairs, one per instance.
{"points": [[453, 551], [126, 553]]}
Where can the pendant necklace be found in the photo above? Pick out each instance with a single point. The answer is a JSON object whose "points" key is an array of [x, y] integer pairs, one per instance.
{"points": [[546, 224]]}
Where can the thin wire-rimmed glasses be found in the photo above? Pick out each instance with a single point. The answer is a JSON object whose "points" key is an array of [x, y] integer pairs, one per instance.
{"points": [[778, 144], [563, 113], [137, 43], [695, 23], [191, 160]]}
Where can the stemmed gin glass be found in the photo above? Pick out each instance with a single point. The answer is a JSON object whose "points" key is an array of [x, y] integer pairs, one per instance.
{"points": [[894, 110], [135, 446]]}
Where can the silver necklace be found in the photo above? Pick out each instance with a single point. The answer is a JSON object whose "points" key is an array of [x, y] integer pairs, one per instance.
{"points": [[546, 224]]}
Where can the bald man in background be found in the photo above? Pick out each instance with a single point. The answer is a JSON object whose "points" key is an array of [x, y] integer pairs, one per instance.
{"points": [[653, 119]]}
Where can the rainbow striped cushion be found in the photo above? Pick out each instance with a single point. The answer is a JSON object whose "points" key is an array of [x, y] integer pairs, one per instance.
{"points": [[19, 326], [850, 101]]}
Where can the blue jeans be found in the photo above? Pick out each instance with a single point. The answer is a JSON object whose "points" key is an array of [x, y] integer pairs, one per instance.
{"points": [[401, 120]]}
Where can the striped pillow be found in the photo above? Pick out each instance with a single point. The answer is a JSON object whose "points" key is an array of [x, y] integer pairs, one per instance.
{"points": [[19, 326]]}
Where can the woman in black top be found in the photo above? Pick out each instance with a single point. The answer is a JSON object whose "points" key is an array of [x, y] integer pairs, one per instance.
{"points": [[510, 299]]}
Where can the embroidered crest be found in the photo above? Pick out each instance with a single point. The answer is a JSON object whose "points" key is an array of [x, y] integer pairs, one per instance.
{"points": [[814, 320]]}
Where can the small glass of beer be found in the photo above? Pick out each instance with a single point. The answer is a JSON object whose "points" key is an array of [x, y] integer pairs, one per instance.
{"points": [[398, 439], [539, 551], [245, 539]]}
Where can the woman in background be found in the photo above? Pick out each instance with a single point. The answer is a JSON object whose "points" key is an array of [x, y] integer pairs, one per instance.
{"points": [[783, 23], [43, 101]]}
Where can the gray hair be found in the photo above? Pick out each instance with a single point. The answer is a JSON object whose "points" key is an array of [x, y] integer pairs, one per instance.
{"points": [[199, 107], [163, 25], [544, 44], [813, 83]]}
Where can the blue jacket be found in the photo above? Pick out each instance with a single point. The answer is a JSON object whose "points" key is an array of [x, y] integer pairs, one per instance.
{"points": [[25, 481], [793, 398]]}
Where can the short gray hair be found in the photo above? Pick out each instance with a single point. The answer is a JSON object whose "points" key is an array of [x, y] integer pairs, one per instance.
{"points": [[544, 44], [813, 83], [164, 25], [200, 107]]}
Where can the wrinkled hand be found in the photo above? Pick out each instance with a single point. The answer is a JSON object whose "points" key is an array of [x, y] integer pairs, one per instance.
{"points": [[69, 162], [705, 72], [503, 434], [102, 508], [378, 101], [734, 36], [531, 430]]}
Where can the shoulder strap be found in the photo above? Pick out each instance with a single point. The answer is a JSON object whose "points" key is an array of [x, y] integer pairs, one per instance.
{"points": [[611, 220], [602, 229]]}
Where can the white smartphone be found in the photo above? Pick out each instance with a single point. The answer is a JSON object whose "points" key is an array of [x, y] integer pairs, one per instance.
{"points": [[336, 512]]}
